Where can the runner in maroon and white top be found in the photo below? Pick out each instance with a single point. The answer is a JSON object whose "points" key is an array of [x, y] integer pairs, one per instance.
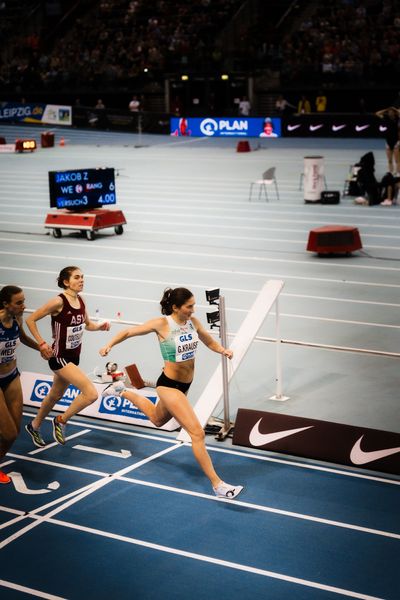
{"points": [[69, 320], [67, 328]]}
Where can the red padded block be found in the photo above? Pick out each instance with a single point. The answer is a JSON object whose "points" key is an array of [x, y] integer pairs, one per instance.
{"points": [[134, 376], [243, 146], [47, 139], [334, 239], [99, 218]]}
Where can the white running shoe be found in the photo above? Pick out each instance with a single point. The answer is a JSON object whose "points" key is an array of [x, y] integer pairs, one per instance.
{"points": [[224, 490], [115, 389], [386, 202], [361, 200]]}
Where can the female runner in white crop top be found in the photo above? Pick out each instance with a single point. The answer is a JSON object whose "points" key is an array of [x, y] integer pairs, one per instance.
{"points": [[178, 334]]}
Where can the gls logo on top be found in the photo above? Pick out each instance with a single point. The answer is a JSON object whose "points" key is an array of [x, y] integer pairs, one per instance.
{"points": [[42, 387], [116, 405]]}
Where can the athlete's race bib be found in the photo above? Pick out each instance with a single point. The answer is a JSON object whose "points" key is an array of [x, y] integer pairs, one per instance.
{"points": [[186, 344], [74, 336], [7, 350]]}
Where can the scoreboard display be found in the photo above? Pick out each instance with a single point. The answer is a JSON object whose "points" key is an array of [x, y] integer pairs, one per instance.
{"points": [[82, 189]]}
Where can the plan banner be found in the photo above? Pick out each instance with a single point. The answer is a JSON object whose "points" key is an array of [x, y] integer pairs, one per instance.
{"points": [[35, 386], [259, 127]]}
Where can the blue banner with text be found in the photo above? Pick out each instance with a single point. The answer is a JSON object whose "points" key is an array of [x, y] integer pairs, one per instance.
{"points": [[226, 127]]}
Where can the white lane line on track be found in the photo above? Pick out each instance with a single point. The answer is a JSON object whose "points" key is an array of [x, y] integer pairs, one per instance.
{"points": [[241, 453], [217, 561], [195, 285], [268, 509], [193, 268], [27, 590], [52, 463], [211, 255], [313, 467], [90, 489], [240, 310]]}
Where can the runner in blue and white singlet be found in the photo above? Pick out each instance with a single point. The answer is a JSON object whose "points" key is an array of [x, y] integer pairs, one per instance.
{"points": [[9, 341], [12, 333]]}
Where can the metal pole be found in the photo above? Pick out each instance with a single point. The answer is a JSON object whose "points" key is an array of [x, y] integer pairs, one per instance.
{"points": [[140, 128], [167, 98], [250, 91], [227, 423], [278, 396]]}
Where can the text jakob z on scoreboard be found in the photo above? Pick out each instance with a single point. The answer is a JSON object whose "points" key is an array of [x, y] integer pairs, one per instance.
{"points": [[80, 198]]}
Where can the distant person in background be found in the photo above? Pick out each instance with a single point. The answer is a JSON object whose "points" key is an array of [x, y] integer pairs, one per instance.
{"points": [[134, 104], [176, 106], [389, 189], [196, 107], [382, 192], [100, 114], [244, 107], [282, 106], [362, 106], [303, 106], [321, 102], [367, 182], [391, 121]]}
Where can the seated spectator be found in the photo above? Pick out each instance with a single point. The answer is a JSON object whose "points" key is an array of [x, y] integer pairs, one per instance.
{"points": [[366, 181], [373, 192], [390, 186]]}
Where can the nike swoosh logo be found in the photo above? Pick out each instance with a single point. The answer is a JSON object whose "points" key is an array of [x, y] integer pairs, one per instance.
{"points": [[315, 127], [256, 438], [337, 127], [359, 457], [382, 128], [293, 127], [361, 127]]}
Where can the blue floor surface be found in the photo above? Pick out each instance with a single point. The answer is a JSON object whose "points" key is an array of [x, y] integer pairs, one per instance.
{"points": [[148, 525]]}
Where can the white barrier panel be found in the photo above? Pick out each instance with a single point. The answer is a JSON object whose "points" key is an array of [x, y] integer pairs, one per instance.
{"points": [[248, 330], [35, 386]]}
